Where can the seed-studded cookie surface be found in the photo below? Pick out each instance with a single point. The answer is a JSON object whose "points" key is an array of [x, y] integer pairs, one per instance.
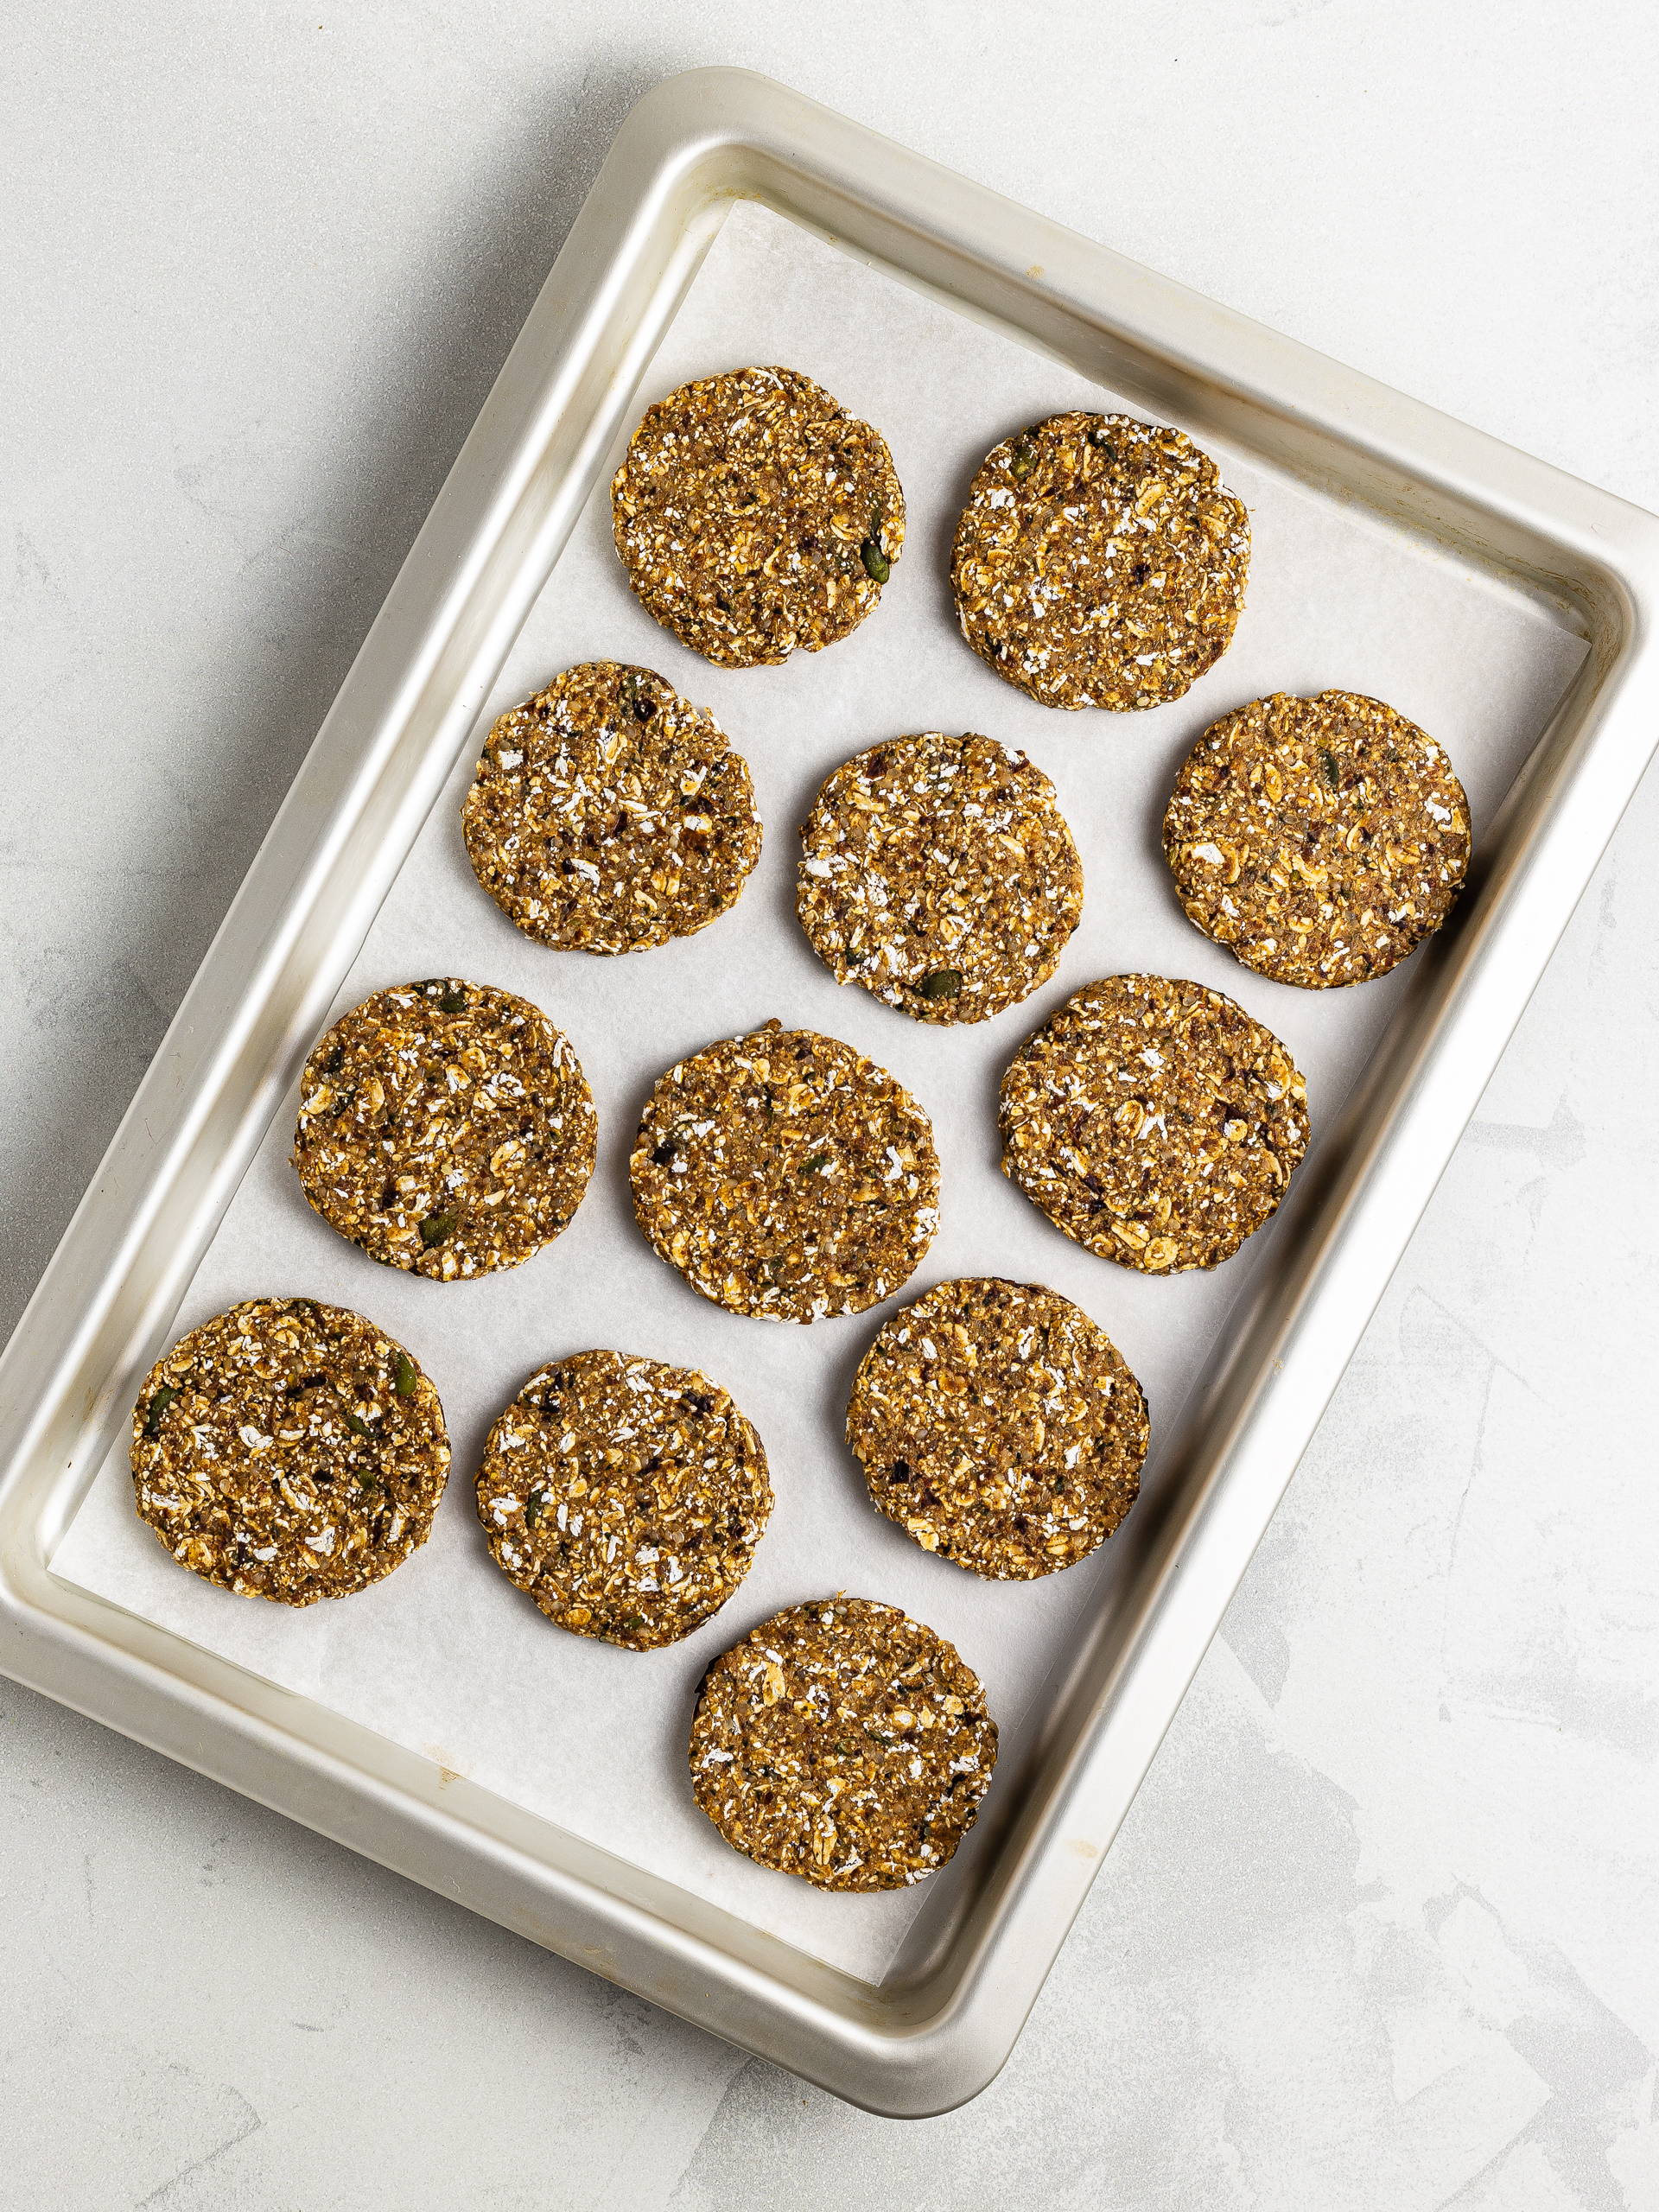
{"points": [[843, 1742], [938, 872], [289, 1450], [1321, 839], [754, 515], [625, 1497], [608, 814], [786, 1176], [1155, 1121], [445, 1128], [1100, 562], [999, 1426]]}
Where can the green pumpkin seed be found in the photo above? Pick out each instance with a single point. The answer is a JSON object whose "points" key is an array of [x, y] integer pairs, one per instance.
{"points": [[942, 983], [872, 553], [158, 1405], [436, 1227], [403, 1376]]}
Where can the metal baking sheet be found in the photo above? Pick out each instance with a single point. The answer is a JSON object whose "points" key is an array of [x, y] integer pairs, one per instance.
{"points": [[491, 1767], [446, 1657]]}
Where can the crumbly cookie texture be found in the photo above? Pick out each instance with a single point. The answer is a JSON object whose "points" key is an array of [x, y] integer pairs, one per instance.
{"points": [[786, 1176], [843, 1742], [289, 1450], [1320, 839], [445, 1128], [1155, 1121], [754, 515], [999, 1426], [938, 873], [625, 1497], [608, 814], [1100, 562]]}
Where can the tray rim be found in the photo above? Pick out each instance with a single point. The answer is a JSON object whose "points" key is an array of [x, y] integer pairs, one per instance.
{"points": [[940, 2026]]}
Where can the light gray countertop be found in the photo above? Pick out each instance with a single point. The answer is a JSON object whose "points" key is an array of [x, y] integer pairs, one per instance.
{"points": [[1382, 1928]]}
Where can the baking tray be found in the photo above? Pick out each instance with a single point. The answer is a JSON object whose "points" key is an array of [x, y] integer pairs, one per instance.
{"points": [[937, 2026], [448, 1659]]}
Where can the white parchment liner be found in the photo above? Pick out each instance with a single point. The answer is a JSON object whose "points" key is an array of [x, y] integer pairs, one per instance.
{"points": [[446, 1657]]}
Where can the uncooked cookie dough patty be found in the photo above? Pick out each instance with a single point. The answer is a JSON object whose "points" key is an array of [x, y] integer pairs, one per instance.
{"points": [[1320, 839], [445, 1128], [753, 515], [786, 1176], [289, 1450], [1100, 562], [1155, 1121], [608, 814], [999, 1426], [938, 872], [625, 1497], [843, 1742]]}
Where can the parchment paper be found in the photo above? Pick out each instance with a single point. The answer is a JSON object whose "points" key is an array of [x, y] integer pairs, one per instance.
{"points": [[446, 1657]]}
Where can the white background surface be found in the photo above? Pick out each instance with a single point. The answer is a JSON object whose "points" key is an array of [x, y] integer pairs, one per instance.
{"points": [[1383, 1927]]}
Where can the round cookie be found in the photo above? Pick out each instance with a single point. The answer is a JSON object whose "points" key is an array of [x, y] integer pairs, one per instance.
{"points": [[445, 1128], [1153, 1121], [753, 514], [608, 814], [786, 1176], [1100, 562], [625, 1497], [289, 1450], [845, 1743], [999, 1426], [938, 873], [1319, 839]]}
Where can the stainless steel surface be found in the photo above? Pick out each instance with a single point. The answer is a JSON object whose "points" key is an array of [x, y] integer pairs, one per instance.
{"points": [[941, 2024]]}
